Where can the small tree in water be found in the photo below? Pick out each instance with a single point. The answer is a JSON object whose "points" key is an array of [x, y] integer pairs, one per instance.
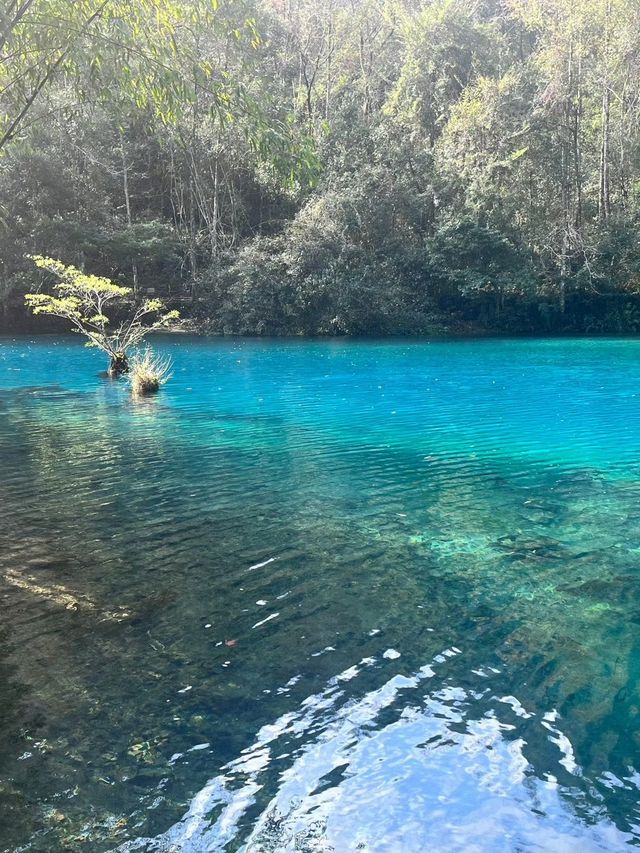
{"points": [[83, 300]]}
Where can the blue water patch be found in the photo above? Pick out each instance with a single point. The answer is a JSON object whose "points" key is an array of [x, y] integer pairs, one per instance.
{"points": [[321, 596]]}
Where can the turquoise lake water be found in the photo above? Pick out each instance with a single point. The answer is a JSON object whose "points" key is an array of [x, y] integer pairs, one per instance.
{"points": [[321, 596]]}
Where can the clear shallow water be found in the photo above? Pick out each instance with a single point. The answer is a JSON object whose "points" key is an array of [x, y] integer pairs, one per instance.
{"points": [[321, 597]]}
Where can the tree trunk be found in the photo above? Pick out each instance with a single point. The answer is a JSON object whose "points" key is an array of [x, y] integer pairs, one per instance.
{"points": [[577, 154], [213, 228], [624, 192], [119, 365], [604, 201], [127, 203], [193, 249], [604, 197], [564, 269]]}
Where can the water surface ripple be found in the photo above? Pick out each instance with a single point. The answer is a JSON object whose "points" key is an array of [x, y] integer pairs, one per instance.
{"points": [[321, 596]]}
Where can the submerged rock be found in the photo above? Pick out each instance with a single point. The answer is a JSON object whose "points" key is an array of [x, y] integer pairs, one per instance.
{"points": [[62, 597], [522, 547], [540, 511], [152, 605], [610, 589], [32, 716], [39, 389]]}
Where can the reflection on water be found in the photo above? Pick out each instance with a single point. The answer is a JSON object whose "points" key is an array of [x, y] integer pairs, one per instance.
{"points": [[401, 768], [321, 597]]}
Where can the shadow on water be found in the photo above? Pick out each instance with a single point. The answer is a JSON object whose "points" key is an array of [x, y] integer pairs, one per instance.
{"points": [[269, 611]]}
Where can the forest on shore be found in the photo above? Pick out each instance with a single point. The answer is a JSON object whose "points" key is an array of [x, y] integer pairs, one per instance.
{"points": [[329, 167]]}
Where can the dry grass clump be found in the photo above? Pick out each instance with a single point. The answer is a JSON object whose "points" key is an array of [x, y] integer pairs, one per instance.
{"points": [[148, 371]]}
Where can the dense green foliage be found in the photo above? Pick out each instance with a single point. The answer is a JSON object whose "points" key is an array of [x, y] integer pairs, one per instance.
{"points": [[344, 167]]}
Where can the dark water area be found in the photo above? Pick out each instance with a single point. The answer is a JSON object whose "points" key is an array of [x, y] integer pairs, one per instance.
{"points": [[321, 596]]}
